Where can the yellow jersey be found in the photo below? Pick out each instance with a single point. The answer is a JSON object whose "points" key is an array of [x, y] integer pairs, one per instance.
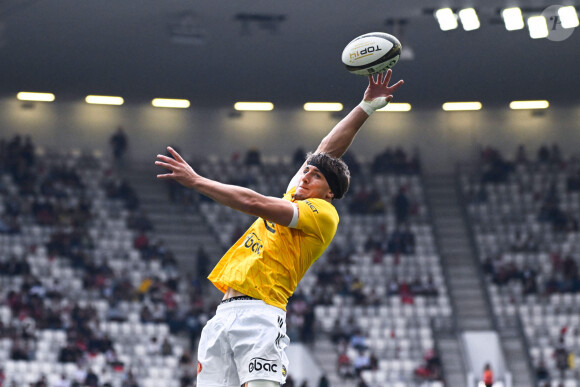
{"points": [[269, 260]]}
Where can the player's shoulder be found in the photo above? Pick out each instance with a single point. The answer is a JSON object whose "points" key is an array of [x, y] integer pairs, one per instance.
{"points": [[318, 205]]}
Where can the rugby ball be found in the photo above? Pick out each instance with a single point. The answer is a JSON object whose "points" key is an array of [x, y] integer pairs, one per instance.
{"points": [[371, 53]]}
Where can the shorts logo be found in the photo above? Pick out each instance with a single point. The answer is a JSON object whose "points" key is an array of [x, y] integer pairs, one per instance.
{"points": [[259, 364], [198, 367], [284, 372]]}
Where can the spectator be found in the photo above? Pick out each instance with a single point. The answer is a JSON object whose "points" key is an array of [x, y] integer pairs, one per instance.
{"points": [[561, 357], [555, 155], [253, 157], [542, 372], [166, 347], [487, 376], [119, 144], [202, 263], [431, 368], [298, 159], [401, 204], [521, 156], [42, 382], [361, 362], [289, 382], [129, 380], [344, 366], [543, 154], [358, 341], [91, 380]]}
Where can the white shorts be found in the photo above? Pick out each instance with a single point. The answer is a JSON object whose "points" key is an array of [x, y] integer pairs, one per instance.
{"points": [[244, 341]]}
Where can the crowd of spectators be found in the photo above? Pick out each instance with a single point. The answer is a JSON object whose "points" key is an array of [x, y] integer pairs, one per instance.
{"points": [[563, 276], [395, 161], [539, 253], [54, 196], [17, 160]]}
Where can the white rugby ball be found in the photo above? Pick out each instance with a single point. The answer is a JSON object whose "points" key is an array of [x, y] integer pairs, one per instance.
{"points": [[371, 53]]}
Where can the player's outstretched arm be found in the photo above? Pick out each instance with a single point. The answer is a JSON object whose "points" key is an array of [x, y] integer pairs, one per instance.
{"points": [[242, 199], [377, 95]]}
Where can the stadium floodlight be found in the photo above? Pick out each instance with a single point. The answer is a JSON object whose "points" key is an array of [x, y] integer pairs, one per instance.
{"points": [[35, 97], [523, 105], [323, 106], [568, 17], [104, 100], [396, 107], [461, 106], [254, 106], [513, 18], [446, 18], [538, 27], [170, 103], [469, 19]]}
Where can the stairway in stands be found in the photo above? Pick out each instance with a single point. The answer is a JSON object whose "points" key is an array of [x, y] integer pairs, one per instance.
{"points": [[466, 289], [466, 285], [182, 228]]}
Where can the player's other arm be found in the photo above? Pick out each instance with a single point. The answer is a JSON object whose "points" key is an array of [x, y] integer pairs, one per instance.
{"points": [[239, 198]]}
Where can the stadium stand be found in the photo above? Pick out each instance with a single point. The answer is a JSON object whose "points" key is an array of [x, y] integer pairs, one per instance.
{"points": [[524, 217], [86, 297]]}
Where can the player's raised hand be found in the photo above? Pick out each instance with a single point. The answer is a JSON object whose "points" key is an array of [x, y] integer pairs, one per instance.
{"points": [[380, 88], [180, 170]]}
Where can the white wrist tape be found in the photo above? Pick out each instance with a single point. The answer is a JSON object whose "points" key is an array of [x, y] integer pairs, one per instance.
{"points": [[371, 106]]}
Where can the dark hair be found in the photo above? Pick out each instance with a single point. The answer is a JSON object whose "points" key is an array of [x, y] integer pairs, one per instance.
{"points": [[334, 170]]}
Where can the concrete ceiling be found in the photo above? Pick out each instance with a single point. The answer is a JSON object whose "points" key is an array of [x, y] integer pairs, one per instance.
{"points": [[288, 52]]}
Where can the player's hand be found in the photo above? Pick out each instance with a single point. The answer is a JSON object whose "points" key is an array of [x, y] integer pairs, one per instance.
{"points": [[180, 170], [380, 88]]}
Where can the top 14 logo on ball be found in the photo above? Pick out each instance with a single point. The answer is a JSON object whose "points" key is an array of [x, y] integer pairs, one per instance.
{"points": [[359, 54]]}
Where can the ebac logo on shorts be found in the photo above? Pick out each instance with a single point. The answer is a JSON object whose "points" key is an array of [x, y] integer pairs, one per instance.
{"points": [[198, 367], [259, 364]]}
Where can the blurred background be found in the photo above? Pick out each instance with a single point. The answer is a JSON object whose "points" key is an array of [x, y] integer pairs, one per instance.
{"points": [[458, 245]]}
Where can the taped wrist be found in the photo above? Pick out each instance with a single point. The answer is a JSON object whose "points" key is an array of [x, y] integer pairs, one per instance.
{"points": [[371, 106]]}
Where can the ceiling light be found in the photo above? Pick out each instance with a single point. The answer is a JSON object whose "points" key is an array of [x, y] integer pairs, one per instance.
{"points": [[568, 17], [469, 19], [323, 107], [30, 96], [519, 105], [538, 27], [104, 100], [396, 107], [254, 106], [458, 106], [513, 19], [170, 103], [446, 18]]}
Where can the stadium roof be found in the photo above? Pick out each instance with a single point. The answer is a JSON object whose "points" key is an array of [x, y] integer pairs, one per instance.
{"points": [[288, 52]]}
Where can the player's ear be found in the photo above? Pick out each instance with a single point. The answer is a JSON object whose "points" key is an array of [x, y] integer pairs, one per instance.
{"points": [[330, 195]]}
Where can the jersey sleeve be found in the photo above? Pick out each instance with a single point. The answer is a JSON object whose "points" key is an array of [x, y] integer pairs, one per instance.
{"points": [[318, 218]]}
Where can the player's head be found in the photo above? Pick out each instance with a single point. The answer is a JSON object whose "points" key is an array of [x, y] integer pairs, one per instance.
{"points": [[323, 177]]}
